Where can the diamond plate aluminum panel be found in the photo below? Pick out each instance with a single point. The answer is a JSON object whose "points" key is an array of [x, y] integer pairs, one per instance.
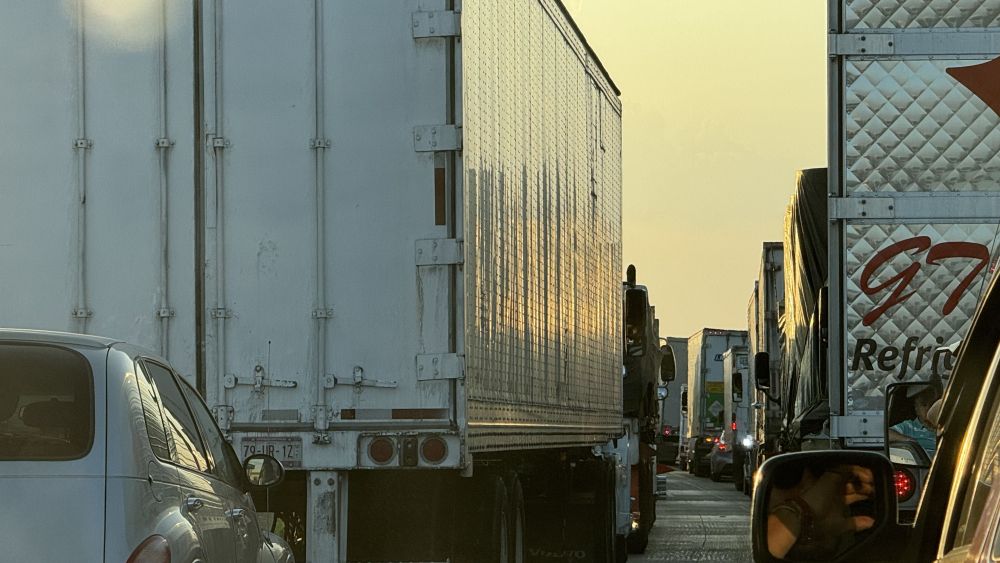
{"points": [[906, 271], [908, 14], [909, 127], [542, 157]]}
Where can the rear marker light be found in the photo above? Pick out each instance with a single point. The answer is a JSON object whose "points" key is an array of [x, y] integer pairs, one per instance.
{"points": [[381, 450], [906, 485], [433, 450], [153, 549]]}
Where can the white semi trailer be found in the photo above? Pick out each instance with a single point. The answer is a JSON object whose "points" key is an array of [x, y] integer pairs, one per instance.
{"points": [[383, 237]]}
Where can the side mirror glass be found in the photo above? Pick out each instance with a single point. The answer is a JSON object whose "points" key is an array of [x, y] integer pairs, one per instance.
{"points": [[668, 368], [263, 470], [762, 370], [737, 387], [911, 422], [822, 506], [636, 308]]}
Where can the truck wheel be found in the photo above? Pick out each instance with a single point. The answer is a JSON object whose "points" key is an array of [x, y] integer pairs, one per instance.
{"points": [[487, 536], [621, 549], [637, 542], [605, 514], [518, 527]]}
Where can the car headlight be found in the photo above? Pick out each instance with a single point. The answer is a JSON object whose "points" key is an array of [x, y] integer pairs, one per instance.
{"points": [[748, 442]]}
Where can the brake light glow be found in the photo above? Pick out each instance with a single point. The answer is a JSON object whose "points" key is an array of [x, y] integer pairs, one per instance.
{"points": [[906, 485], [381, 450], [722, 446], [153, 549]]}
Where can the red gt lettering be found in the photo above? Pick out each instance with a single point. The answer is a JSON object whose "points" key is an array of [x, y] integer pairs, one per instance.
{"points": [[900, 282]]}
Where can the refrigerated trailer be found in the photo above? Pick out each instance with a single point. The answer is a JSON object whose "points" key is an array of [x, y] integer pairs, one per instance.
{"points": [[383, 238], [887, 252]]}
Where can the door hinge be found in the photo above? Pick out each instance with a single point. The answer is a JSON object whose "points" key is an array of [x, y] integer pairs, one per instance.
{"points": [[432, 367], [221, 313], [446, 23], [856, 426], [439, 252], [432, 138], [861, 44], [862, 208]]}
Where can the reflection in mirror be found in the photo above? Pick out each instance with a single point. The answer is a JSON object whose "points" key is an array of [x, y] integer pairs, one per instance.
{"points": [[263, 470], [817, 510]]}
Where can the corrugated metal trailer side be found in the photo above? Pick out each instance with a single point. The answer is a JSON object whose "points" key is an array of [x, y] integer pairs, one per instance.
{"points": [[542, 160], [914, 175], [97, 210]]}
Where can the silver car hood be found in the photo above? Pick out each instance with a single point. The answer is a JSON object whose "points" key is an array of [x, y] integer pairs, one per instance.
{"points": [[52, 518]]}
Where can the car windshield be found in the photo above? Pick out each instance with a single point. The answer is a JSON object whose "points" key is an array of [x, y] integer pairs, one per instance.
{"points": [[46, 403]]}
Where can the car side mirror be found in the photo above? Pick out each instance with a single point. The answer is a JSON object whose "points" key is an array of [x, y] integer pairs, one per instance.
{"points": [[263, 471], [668, 368], [762, 371], [831, 505]]}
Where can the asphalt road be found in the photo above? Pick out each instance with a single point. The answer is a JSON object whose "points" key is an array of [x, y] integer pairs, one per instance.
{"points": [[699, 521]]}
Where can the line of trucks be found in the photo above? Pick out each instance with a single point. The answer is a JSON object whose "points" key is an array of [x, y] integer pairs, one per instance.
{"points": [[383, 240], [886, 251]]}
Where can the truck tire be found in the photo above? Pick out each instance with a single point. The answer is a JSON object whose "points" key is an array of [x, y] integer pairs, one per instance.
{"points": [[605, 513], [487, 529], [515, 495], [621, 549], [637, 542], [739, 470]]}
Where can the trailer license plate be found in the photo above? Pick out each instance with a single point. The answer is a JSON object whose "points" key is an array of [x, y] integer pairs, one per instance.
{"points": [[286, 450]]}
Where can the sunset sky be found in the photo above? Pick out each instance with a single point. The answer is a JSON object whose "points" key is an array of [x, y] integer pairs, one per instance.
{"points": [[723, 102]]}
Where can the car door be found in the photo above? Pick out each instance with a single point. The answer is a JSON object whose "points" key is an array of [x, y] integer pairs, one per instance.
{"points": [[227, 468], [204, 496], [975, 489]]}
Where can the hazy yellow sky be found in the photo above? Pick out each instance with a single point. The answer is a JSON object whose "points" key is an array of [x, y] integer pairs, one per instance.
{"points": [[723, 101]]}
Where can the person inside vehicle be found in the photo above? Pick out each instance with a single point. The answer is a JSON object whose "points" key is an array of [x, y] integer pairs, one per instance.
{"points": [[810, 512], [921, 428]]}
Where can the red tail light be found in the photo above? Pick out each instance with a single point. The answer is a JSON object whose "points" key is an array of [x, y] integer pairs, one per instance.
{"points": [[722, 447], [906, 485], [667, 430], [153, 549], [433, 450], [381, 450]]}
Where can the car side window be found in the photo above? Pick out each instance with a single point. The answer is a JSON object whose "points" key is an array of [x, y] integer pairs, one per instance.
{"points": [[155, 426], [226, 467], [980, 478], [190, 451]]}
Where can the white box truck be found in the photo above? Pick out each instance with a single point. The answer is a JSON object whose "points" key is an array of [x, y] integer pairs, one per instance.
{"points": [[705, 400], [383, 237]]}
